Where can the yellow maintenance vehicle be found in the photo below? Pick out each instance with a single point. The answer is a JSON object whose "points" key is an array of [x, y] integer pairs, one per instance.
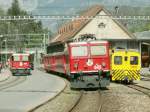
{"points": [[125, 65]]}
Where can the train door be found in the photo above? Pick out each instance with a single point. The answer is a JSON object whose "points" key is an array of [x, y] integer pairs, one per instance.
{"points": [[135, 65], [117, 61]]}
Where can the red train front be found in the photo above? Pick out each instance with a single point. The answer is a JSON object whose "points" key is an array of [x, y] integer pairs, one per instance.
{"points": [[87, 64], [20, 64]]}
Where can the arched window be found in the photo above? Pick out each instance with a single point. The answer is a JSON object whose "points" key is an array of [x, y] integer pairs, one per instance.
{"points": [[101, 25]]}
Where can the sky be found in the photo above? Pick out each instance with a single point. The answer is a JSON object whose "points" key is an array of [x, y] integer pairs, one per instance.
{"points": [[45, 7], [31, 5]]}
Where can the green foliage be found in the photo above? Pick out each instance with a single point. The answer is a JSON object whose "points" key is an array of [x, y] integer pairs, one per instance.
{"points": [[21, 27], [14, 10], [2, 13], [133, 25], [145, 26]]}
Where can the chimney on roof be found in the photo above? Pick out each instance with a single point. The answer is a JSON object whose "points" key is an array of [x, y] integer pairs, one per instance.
{"points": [[116, 10]]}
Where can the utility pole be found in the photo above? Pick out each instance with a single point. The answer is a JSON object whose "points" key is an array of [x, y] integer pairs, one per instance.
{"points": [[1, 46], [44, 43], [6, 51], [88, 3], [8, 31], [17, 41]]}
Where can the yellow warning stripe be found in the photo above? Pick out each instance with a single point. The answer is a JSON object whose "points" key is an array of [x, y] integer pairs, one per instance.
{"points": [[120, 74]]}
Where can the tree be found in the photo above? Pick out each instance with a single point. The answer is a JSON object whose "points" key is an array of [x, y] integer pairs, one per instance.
{"points": [[2, 13], [14, 10], [23, 27]]}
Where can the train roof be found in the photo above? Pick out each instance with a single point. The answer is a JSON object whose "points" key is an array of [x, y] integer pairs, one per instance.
{"points": [[92, 42], [18, 54], [126, 50]]}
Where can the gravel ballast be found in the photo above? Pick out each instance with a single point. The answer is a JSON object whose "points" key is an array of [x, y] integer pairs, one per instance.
{"points": [[120, 98]]}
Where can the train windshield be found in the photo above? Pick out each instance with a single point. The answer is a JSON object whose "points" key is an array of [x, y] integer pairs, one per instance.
{"points": [[118, 60], [16, 58], [98, 50], [133, 60], [25, 58], [79, 51]]}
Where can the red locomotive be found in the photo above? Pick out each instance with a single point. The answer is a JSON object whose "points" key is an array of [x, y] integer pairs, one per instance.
{"points": [[20, 64], [87, 64]]}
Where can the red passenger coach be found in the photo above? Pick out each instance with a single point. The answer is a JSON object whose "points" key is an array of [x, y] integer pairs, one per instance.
{"points": [[87, 64], [20, 64]]}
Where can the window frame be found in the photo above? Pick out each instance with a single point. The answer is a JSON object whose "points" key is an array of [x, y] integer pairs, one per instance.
{"points": [[136, 60], [80, 55], [25, 56], [120, 59], [98, 46], [14, 57]]}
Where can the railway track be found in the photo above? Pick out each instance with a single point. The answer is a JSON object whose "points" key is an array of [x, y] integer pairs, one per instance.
{"points": [[50, 100], [72, 101], [69, 100], [142, 89], [145, 78], [11, 81], [90, 101]]}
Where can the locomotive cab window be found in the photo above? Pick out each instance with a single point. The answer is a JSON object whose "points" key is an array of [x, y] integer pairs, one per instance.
{"points": [[133, 60], [118, 60], [79, 51], [98, 50], [16, 58], [25, 58]]}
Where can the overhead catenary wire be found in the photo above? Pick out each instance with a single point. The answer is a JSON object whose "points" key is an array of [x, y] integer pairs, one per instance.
{"points": [[71, 17]]}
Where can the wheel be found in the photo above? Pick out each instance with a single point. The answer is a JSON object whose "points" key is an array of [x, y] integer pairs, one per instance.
{"points": [[13, 74]]}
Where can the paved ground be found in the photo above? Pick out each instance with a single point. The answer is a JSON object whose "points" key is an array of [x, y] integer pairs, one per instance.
{"points": [[4, 74], [145, 71], [38, 88]]}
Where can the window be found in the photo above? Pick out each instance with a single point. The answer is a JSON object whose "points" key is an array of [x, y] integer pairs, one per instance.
{"points": [[133, 60], [117, 60], [125, 58], [55, 48], [79, 51], [25, 58], [101, 25], [98, 50], [16, 58]]}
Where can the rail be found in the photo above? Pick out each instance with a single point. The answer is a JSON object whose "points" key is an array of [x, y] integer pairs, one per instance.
{"points": [[142, 89], [11, 82], [86, 97]]}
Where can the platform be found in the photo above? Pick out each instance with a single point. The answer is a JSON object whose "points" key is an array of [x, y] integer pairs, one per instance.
{"points": [[38, 88], [4, 74]]}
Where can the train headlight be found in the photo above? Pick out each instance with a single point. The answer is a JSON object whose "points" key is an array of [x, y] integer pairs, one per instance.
{"points": [[21, 63], [89, 62], [103, 64], [75, 65]]}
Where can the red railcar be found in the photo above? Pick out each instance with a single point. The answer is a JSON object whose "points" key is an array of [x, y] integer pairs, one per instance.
{"points": [[87, 64], [20, 64]]}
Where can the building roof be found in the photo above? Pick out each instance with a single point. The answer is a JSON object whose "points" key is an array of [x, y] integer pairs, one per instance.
{"points": [[78, 24], [145, 35]]}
